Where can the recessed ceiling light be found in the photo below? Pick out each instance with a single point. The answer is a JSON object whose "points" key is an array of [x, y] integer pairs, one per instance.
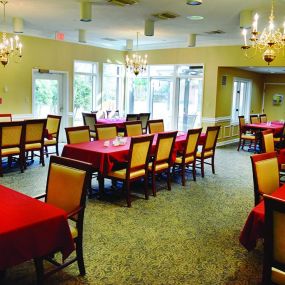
{"points": [[195, 18], [194, 2]]}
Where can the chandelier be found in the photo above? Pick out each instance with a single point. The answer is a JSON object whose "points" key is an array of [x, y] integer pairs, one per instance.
{"points": [[137, 64], [270, 41], [11, 47]]}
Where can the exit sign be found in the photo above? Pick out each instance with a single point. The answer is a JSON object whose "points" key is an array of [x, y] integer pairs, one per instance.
{"points": [[59, 36]]}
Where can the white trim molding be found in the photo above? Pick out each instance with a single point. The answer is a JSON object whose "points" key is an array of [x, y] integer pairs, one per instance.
{"points": [[216, 120], [22, 116]]}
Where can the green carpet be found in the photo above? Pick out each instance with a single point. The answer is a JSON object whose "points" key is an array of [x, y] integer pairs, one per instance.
{"points": [[185, 236]]}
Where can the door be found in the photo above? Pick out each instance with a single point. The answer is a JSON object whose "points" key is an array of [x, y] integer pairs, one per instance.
{"points": [[162, 101], [190, 103], [48, 97]]}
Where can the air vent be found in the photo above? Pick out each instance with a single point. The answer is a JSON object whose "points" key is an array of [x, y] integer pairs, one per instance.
{"points": [[123, 2], [109, 39], [216, 32], [165, 15]]}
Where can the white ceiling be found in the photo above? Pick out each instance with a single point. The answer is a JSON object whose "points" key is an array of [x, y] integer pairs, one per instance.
{"points": [[43, 18]]}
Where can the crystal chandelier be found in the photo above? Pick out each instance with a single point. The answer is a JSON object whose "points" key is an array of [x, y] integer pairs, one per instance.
{"points": [[270, 42], [137, 64], [11, 47]]}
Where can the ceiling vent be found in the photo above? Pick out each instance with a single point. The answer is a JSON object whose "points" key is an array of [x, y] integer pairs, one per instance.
{"points": [[216, 32], [123, 2], [165, 15]]}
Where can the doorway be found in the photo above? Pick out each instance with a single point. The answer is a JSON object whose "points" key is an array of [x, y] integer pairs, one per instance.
{"points": [[50, 96]]}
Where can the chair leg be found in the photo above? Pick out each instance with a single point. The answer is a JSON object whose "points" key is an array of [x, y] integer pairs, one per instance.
{"points": [[194, 170], [153, 184], [56, 149], [79, 255], [239, 143], [127, 187], [183, 174], [39, 270], [168, 179], [42, 158], [213, 164], [146, 194], [46, 150], [202, 167]]}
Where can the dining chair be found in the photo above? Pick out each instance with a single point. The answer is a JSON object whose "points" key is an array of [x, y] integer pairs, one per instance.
{"points": [[144, 117], [254, 119], [188, 155], [208, 149], [90, 120], [162, 158], [66, 188], [244, 136], [274, 250], [265, 174], [133, 128], [5, 117], [77, 134], [12, 143], [113, 114], [132, 117], [106, 131], [137, 167], [155, 126], [34, 131], [263, 118], [52, 127], [279, 139], [267, 141]]}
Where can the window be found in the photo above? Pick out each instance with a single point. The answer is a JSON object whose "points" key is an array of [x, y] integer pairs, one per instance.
{"points": [[241, 99], [171, 92], [84, 89], [113, 87]]}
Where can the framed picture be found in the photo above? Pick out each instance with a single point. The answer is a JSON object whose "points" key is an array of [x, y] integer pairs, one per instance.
{"points": [[277, 99]]}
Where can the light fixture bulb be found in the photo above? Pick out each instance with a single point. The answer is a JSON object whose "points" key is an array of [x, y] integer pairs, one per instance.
{"points": [[194, 2]]}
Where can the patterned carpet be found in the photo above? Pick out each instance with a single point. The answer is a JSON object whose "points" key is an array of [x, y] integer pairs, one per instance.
{"points": [[185, 236]]}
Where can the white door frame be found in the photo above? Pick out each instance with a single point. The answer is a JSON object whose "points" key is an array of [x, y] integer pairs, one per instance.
{"points": [[65, 97]]}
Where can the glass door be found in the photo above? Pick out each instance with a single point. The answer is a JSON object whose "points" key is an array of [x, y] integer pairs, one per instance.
{"points": [[48, 97], [190, 103], [162, 101]]}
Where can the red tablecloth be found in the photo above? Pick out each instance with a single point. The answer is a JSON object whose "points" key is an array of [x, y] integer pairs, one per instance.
{"points": [[30, 228], [118, 122], [276, 128], [103, 158], [254, 226]]}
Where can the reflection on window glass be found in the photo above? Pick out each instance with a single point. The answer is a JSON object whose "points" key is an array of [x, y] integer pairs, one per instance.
{"points": [[83, 67], [161, 70], [138, 88], [162, 90], [112, 95], [46, 97]]}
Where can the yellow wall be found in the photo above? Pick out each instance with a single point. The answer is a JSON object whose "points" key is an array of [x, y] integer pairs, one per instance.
{"points": [[224, 92], [45, 54]]}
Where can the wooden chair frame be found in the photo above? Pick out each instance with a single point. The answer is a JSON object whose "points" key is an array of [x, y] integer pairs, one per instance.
{"points": [[87, 117], [244, 136], [128, 180], [20, 145], [132, 123], [206, 149], [150, 122], [27, 123], [254, 159], [76, 215], [132, 117], [254, 119], [185, 155], [267, 141], [74, 129], [55, 135], [272, 206], [144, 117], [3, 118], [155, 161], [263, 118], [102, 126]]}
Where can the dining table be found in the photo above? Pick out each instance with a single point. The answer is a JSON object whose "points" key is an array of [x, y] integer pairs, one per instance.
{"points": [[30, 229], [253, 228], [104, 156], [276, 127], [118, 122]]}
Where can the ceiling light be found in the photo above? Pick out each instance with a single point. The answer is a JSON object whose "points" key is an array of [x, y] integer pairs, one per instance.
{"points": [[192, 40], [194, 2], [85, 12], [149, 28], [270, 41], [195, 18], [9, 47]]}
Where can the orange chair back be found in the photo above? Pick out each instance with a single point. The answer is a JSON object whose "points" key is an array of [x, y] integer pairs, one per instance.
{"points": [[133, 128], [268, 141], [77, 134], [211, 138], [155, 126], [53, 125], [106, 131], [192, 141], [34, 130]]}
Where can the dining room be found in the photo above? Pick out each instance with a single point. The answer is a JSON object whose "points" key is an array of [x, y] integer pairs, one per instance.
{"points": [[119, 139]]}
